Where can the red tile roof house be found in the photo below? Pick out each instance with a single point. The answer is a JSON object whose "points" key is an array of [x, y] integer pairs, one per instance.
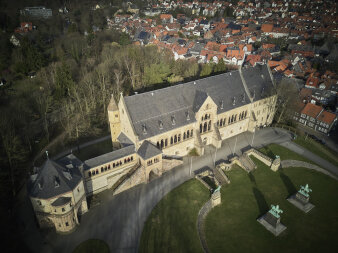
{"points": [[234, 56], [312, 82], [315, 117]]}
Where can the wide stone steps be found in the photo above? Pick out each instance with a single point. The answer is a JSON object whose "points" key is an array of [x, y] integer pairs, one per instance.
{"points": [[247, 164], [122, 179]]}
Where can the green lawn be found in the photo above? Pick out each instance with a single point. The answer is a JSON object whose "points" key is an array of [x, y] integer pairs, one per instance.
{"points": [[272, 150], [92, 246], [232, 226], [318, 149], [171, 227]]}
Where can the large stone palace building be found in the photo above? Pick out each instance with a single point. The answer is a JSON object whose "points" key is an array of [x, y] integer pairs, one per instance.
{"points": [[150, 127]]}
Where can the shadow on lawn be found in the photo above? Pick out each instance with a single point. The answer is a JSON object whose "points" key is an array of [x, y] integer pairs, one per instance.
{"points": [[261, 202], [269, 152], [288, 183], [252, 178]]}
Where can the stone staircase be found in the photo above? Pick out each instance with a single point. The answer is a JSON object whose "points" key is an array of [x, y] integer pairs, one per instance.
{"points": [[122, 179], [220, 176], [247, 164]]}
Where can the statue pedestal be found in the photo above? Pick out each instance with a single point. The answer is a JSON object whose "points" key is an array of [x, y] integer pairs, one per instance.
{"points": [[302, 202], [271, 223]]}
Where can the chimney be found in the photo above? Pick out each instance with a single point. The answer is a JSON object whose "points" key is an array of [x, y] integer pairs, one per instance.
{"points": [[187, 116]]}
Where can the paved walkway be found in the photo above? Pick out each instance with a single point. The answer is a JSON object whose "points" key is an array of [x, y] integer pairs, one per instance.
{"points": [[119, 219], [311, 156]]}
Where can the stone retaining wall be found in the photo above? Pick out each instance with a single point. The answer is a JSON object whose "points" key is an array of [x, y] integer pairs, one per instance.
{"points": [[138, 177], [199, 178], [168, 164], [260, 156]]}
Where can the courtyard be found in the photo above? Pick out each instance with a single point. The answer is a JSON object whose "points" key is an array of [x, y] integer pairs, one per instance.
{"points": [[232, 226]]}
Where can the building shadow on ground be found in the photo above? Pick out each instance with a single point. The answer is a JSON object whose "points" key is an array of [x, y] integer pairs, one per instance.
{"points": [[290, 187], [261, 202], [252, 178]]}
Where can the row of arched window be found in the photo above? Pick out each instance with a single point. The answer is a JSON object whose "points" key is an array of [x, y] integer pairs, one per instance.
{"points": [[150, 162], [163, 143], [232, 119], [206, 126], [109, 166], [206, 116], [243, 115]]}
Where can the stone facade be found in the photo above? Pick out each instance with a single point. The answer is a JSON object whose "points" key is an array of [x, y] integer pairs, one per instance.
{"points": [[152, 126], [58, 196]]}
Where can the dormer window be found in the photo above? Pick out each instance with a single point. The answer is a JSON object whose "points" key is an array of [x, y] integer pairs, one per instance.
{"points": [[222, 104], [144, 129], [173, 120], [160, 124], [56, 182], [187, 116]]}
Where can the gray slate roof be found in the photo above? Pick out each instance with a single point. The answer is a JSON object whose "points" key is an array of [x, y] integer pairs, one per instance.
{"points": [[54, 179], [148, 150], [148, 110], [124, 140], [108, 157]]}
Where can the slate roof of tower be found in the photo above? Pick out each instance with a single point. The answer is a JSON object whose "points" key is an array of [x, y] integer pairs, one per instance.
{"points": [[148, 150], [44, 186], [148, 109]]}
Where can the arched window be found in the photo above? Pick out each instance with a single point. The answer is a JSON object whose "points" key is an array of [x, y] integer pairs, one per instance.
{"points": [[221, 123], [205, 127], [191, 132], [188, 134], [229, 120], [101, 169], [201, 128], [128, 159], [171, 140], [224, 122], [97, 171], [245, 113], [108, 166], [89, 174], [202, 118], [132, 158], [179, 137], [232, 118], [125, 160], [166, 142], [113, 165], [158, 144], [120, 162], [235, 117], [206, 116], [209, 125], [162, 143], [184, 136], [175, 138]]}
